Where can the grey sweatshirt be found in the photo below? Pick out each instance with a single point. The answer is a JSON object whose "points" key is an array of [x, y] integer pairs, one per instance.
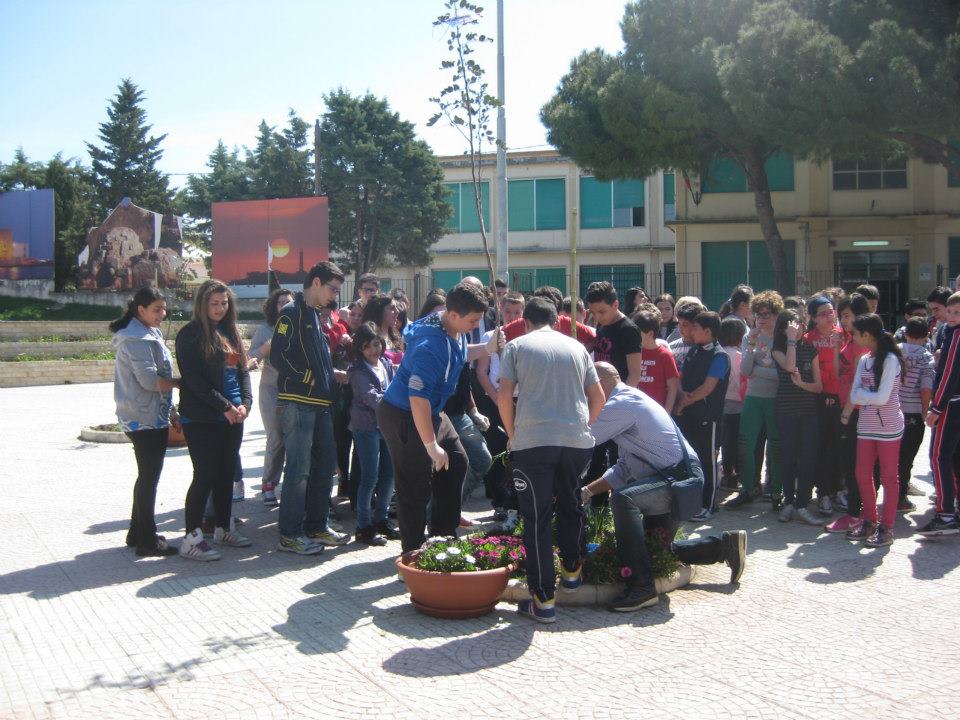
{"points": [[759, 367], [142, 357]]}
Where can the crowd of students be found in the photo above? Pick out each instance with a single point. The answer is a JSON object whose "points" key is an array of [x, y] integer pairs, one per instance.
{"points": [[412, 414]]}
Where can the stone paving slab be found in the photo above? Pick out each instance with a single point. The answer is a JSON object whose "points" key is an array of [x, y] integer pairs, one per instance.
{"points": [[87, 630]]}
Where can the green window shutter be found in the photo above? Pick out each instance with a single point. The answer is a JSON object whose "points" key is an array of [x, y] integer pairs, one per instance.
{"points": [[627, 194], [557, 277], [670, 279], [953, 249], [523, 280], [469, 222], [551, 204], [779, 169], [446, 279], [453, 198], [761, 269], [482, 274], [669, 189], [724, 176], [623, 277], [386, 285], [727, 263], [520, 202], [595, 205]]}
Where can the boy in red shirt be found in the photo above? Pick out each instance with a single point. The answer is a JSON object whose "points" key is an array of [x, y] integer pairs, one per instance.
{"points": [[827, 337], [659, 377]]}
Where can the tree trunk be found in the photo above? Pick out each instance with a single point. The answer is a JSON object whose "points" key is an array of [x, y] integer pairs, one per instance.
{"points": [[361, 234], [757, 177]]}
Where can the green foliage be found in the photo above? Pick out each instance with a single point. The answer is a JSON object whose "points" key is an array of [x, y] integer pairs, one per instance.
{"points": [[21, 174], [125, 164], [385, 187], [87, 355], [14, 308]]}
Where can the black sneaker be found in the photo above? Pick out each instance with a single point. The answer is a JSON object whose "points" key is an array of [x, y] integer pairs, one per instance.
{"points": [[739, 500], [499, 514], [734, 547], [940, 526], [369, 536], [387, 530], [634, 598]]}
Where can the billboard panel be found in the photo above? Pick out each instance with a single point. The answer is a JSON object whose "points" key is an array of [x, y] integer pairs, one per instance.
{"points": [[134, 247], [26, 235], [288, 236]]}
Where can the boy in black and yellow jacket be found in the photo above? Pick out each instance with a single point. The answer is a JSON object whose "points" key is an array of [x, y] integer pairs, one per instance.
{"points": [[301, 355]]}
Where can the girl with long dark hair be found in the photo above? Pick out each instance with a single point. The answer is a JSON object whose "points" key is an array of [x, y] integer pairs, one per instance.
{"points": [[215, 399], [384, 312], [795, 409], [876, 391], [142, 388], [267, 397]]}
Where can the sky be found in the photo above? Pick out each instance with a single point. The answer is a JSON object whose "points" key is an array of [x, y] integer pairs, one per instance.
{"points": [[213, 69]]}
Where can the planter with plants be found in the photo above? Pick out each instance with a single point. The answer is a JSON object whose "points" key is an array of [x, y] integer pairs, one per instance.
{"points": [[601, 568], [460, 577]]}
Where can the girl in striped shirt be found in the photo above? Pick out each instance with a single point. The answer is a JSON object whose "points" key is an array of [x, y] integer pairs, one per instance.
{"points": [[876, 391]]}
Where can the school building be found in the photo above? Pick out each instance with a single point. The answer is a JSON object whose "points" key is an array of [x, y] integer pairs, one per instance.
{"points": [[894, 223]]}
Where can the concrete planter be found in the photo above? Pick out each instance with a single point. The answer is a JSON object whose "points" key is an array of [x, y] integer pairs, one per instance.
{"points": [[596, 594], [91, 434]]}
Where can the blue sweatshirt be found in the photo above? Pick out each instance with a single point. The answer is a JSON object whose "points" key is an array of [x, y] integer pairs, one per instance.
{"points": [[430, 367]]}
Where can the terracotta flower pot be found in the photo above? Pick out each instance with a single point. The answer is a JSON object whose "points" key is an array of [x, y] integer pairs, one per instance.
{"points": [[452, 595], [175, 438]]}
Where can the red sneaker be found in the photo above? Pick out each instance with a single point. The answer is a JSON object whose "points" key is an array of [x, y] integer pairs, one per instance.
{"points": [[842, 524]]}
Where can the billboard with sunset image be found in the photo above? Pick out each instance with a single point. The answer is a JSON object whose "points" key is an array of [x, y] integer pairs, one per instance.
{"points": [[288, 236]]}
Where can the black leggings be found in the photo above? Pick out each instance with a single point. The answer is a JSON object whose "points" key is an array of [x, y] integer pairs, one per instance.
{"points": [[213, 451], [149, 447]]}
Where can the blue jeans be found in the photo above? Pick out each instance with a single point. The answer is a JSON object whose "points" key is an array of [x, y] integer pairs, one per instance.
{"points": [[376, 477], [476, 448], [308, 474]]}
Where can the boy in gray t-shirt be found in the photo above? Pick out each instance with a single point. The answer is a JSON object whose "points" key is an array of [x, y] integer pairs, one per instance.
{"points": [[551, 445]]}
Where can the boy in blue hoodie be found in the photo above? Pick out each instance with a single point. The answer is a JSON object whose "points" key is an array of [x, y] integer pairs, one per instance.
{"points": [[428, 460]]}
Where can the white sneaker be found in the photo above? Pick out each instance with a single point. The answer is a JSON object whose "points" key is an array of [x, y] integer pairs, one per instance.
{"points": [[808, 517], [194, 547], [824, 506], [238, 491], [787, 513], [230, 537], [270, 497]]}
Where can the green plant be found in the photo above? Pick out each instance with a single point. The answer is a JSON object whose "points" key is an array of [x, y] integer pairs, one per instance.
{"points": [[27, 357]]}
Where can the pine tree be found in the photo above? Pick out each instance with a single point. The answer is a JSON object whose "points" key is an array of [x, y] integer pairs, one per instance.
{"points": [[125, 165]]}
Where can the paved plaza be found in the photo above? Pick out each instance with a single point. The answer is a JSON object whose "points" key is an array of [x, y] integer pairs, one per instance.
{"points": [[817, 628]]}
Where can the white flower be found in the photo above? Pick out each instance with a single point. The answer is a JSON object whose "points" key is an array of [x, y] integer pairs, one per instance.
{"points": [[470, 559], [440, 557], [453, 550]]}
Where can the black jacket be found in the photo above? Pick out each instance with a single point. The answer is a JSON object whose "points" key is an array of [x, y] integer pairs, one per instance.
{"points": [[201, 380], [300, 353]]}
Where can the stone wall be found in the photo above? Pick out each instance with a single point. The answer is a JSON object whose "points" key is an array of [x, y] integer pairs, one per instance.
{"points": [[12, 330], [55, 372]]}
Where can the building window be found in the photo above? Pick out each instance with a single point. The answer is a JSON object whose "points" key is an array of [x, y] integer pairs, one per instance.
{"points": [[537, 204], [670, 279], [527, 280], [611, 204], [872, 172], [725, 176], [669, 196], [446, 279], [727, 264], [623, 277], [461, 199]]}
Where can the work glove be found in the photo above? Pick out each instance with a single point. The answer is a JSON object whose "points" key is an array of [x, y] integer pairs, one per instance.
{"points": [[441, 460], [481, 421]]}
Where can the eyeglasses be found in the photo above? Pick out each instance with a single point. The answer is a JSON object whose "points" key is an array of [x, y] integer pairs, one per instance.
{"points": [[764, 315], [827, 312], [335, 288], [369, 289]]}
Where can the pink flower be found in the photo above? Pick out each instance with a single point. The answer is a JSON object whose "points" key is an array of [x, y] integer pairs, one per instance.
{"points": [[625, 572]]}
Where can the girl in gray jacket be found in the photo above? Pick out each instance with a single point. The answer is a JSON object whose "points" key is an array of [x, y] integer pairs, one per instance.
{"points": [[142, 388]]}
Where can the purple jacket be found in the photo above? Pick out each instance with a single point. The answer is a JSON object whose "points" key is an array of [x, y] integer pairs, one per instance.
{"points": [[367, 394]]}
